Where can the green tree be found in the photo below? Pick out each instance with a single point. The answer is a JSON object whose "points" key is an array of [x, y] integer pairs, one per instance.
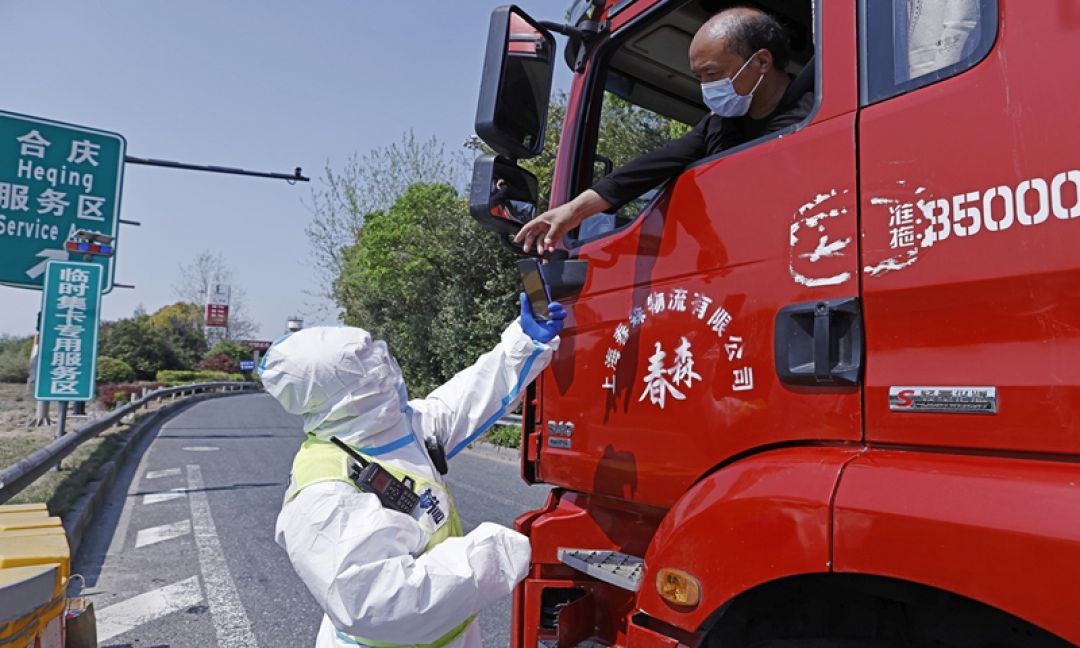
{"points": [[194, 283], [139, 344], [113, 370], [370, 183], [411, 266], [233, 350], [424, 277], [625, 132], [15, 358], [180, 326]]}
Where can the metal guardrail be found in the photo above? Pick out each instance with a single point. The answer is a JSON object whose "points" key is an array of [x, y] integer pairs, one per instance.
{"points": [[21, 474], [510, 419]]}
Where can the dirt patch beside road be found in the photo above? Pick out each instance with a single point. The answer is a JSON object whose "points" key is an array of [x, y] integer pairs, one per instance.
{"points": [[17, 405], [59, 489]]}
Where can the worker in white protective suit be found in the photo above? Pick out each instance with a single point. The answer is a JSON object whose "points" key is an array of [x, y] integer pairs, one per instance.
{"points": [[382, 576]]}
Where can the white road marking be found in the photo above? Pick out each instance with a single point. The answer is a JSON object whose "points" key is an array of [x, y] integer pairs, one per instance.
{"points": [[230, 620], [157, 474], [161, 533], [200, 448], [121, 617], [116, 543], [164, 496]]}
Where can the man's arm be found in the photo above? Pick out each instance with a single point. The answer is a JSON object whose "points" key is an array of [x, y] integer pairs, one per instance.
{"points": [[546, 229], [467, 405], [357, 559], [616, 189]]}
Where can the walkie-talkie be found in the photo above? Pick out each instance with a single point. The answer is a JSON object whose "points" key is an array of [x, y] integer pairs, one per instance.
{"points": [[372, 478]]}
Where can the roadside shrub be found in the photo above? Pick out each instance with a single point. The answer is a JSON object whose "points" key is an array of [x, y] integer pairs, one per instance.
{"points": [[234, 350], [108, 395], [143, 347], [170, 378], [15, 358], [507, 436], [219, 362], [113, 370]]}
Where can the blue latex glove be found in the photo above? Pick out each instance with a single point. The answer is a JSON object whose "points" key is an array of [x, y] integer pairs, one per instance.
{"points": [[542, 331]]}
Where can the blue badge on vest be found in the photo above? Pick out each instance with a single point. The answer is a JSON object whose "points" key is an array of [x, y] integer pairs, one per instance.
{"points": [[429, 502]]}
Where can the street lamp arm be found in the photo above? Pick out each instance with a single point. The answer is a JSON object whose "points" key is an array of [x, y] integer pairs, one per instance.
{"points": [[296, 176]]}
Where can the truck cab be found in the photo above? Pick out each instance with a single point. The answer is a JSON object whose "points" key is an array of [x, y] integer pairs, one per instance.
{"points": [[821, 387]]}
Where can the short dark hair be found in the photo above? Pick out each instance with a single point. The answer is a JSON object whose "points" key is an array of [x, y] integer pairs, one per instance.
{"points": [[758, 30]]}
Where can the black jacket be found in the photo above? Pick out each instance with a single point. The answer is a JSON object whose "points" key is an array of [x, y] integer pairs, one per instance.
{"points": [[711, 135]]}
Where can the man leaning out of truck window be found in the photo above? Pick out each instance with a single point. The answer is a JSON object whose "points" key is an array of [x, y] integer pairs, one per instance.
{"points": [[739, 56]]}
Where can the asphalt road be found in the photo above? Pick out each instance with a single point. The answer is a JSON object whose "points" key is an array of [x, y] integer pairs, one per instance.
{"points": [[183, 553]]}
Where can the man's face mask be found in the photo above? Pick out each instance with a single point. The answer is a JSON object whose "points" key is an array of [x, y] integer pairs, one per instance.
{"points": [[722, 99]]}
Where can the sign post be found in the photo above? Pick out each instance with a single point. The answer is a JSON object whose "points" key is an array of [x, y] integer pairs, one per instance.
{"points": [[55, 179], [217, 311], [67, 356]]}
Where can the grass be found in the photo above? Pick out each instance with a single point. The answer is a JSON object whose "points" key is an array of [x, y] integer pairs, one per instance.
{"points": [[507, 436], [60, 489], [13, 448], [16, 440]]}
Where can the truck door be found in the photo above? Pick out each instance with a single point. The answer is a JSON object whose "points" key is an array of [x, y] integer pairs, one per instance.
{"points": [[969, 205], [669, 367]]}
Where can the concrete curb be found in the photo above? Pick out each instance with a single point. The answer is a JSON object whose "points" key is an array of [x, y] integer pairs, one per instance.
{"points": [[82, 513]]}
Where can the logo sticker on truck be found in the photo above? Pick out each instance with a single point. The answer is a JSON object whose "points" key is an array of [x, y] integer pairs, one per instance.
{"points": [[670, 374], [919, 221], [944, 400], [816, 240]]}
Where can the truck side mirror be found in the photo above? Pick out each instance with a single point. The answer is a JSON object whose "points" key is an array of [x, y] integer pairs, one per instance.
{"points": [[502, 196], [516, 85]]}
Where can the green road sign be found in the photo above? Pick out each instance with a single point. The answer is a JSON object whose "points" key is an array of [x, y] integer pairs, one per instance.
{"points": [[54, 179], [67, 350]]}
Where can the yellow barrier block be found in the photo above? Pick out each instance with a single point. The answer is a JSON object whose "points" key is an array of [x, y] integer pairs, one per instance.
{"points": [[31, 604], [34, 564], [43, 627], [24, 508], [26, 521], [34, 532], [24, 589], [45, 549]]}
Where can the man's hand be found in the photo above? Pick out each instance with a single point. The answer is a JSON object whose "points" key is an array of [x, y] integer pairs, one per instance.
{"points": [[543, 331], [548, 228]]}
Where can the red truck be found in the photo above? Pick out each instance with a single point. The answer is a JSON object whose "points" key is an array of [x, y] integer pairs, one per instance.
{"points": [[821, 389]]}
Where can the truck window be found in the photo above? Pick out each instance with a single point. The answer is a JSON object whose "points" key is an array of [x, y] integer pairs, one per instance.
{"points": [[643, 93], [626, 130], [908, 44]]}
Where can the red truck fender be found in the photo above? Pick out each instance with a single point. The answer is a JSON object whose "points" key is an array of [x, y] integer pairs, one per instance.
{"points": [[759, 519], [949, 521]]}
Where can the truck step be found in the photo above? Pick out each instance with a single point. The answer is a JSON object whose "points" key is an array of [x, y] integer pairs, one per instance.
{"points": [[618, 569], [588, 643]]}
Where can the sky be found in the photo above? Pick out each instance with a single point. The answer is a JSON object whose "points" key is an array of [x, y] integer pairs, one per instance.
{"points": [[264, 85]]}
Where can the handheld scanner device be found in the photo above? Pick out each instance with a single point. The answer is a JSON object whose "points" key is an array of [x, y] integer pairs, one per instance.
{"points": [[372, 478], [536, 288]]}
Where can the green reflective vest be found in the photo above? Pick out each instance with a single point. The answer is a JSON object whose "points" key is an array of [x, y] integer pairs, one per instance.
{"points": [[322, 461]]}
